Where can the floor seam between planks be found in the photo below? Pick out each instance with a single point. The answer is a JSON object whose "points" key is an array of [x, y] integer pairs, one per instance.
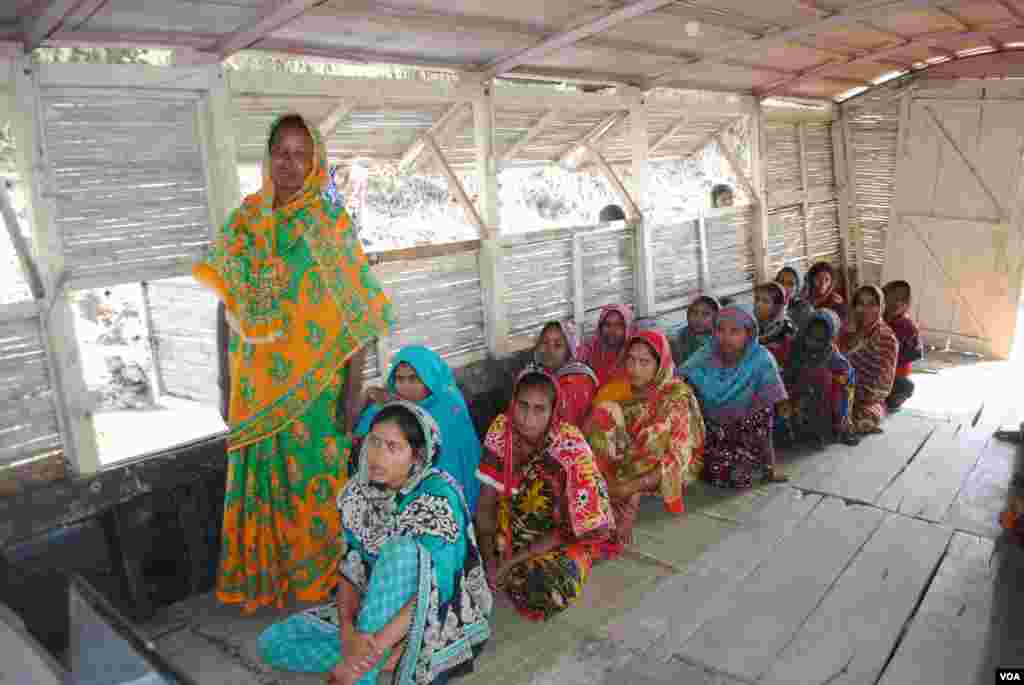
{"points": [[828, 592], [926, 588], [713, 670]]}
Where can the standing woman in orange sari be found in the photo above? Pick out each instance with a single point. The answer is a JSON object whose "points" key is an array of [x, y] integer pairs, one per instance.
{"points": [[301, 303]]}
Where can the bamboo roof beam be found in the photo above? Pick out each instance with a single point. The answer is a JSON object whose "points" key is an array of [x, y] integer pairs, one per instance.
{"points": [[416, 148], [41, 28], [1014, 11], [455, 186], [549, 117], [606, 123], [337, 114], [632, 210]]}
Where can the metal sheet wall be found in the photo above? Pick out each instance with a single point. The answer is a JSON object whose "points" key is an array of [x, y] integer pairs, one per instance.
{"points": [[677, 260], [538, 280], [127, 173], [438, 303], [28, 417]]}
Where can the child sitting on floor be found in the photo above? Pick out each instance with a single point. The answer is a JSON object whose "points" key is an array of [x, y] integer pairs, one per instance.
{"points": [[700, 324], [897, 308]]}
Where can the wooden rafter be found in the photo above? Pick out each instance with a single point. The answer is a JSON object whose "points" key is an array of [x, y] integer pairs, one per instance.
{"points": [[595, 131], [632, 210], [274, 15], [706, 140], [538, 127], [413, 152], [28, 265], [676, 126], [631, 10], [854, 13], [734, 162], [339, 112], [40, 28], [455, 186], [1012, 9]]}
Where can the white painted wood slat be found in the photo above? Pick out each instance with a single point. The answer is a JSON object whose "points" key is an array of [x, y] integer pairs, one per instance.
{"points": [[130, 191]]}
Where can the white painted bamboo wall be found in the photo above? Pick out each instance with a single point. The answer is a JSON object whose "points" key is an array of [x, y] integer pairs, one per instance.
{"points": [[803, 212], [28, 418]]}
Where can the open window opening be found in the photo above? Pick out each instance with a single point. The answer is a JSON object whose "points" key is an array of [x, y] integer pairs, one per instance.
{"points": [[149, 360]]}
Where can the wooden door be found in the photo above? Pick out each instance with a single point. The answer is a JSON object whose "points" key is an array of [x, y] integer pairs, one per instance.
{"points": [[956, 231]]}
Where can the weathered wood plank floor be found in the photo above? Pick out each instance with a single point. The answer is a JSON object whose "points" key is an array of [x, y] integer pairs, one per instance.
{"points": [[877, 564]]}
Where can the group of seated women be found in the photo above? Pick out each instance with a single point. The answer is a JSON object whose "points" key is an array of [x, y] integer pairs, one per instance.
{"points": [[440, 526]]}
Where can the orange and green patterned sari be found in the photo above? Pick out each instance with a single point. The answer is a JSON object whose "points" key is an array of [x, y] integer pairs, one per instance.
{"points": [[301, 300]]}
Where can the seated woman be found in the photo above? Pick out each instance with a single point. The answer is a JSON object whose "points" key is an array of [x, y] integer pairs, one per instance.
{"points": [[647, 433], [700, 324], [820, 383], [419, 375], [777, 331], [556, 351], [798, 308], [738, 383], [822, 292], [873, 350], [543, 505], [412, 598]]}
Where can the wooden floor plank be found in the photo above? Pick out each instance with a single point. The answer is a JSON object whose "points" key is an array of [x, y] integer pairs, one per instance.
{"points": [[677, 606], [932, 481], [983, 494], [970, 620], [750, 625], [862, 473], [849, 637]]}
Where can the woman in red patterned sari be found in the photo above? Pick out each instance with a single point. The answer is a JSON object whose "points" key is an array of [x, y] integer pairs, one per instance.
{"points": [[543, 505]]}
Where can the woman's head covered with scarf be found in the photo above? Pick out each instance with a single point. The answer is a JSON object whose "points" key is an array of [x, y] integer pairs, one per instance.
{"points": [[604, 350], [789, 279], [535, 401], [820, 285], [648, 360], [701, 314], [815, 344], [868, 307], [401, 448], [557, 350]]}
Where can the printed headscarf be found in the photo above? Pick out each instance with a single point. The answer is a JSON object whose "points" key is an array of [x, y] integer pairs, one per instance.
{"points": [[572, 364], [586, 494], [377, 508]]}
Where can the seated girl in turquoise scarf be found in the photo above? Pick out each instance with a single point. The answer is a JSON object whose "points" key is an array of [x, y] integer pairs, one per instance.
{"points": [[412, 594], [700, 325], [419, 375]]}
